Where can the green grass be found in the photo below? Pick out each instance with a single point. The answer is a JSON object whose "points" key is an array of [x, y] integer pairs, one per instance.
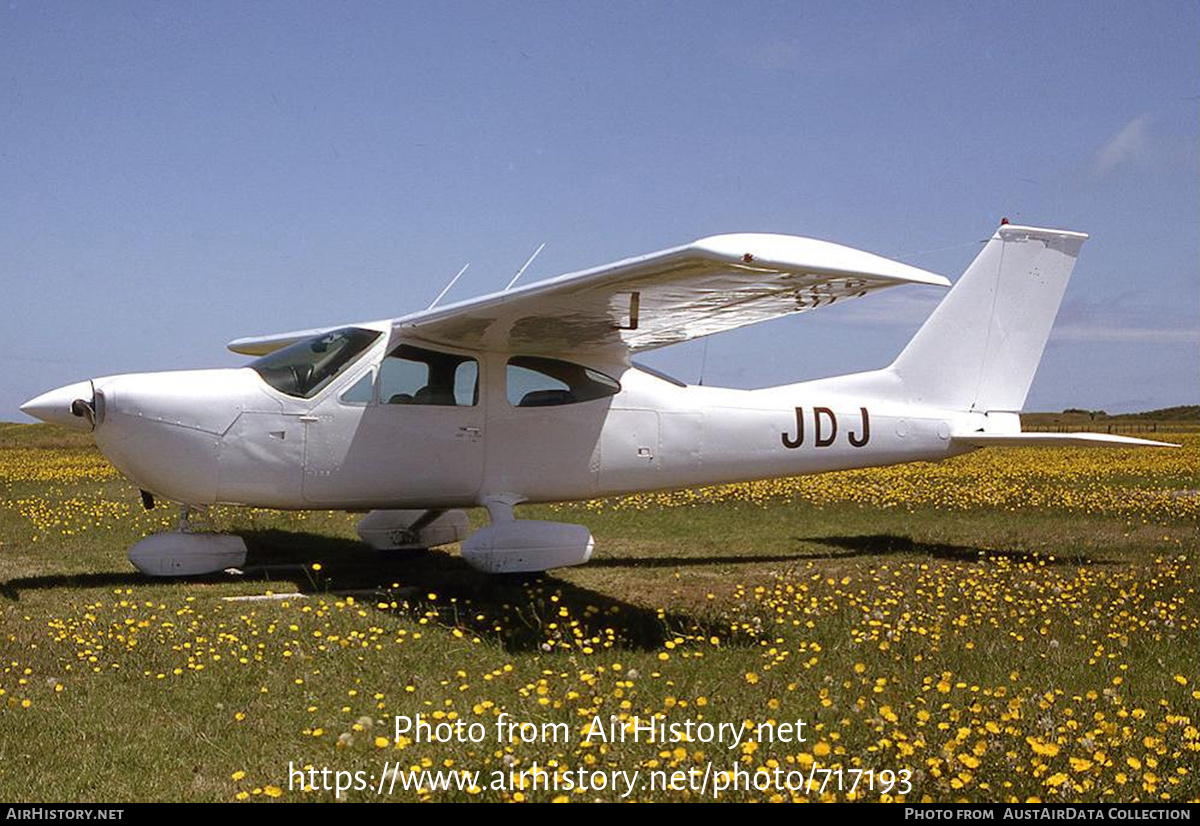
{"points": [[901, 636]]}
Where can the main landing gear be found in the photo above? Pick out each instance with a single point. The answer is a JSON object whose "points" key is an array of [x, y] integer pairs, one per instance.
{"points": [[413, 530], [514, 546], [507, 546]]}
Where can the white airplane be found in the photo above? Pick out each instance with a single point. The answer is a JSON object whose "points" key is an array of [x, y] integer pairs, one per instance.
{"points": [[529, 395]]}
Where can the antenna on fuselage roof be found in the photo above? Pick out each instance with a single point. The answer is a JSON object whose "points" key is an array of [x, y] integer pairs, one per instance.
{"points": [[525, 266], [446, 289]]}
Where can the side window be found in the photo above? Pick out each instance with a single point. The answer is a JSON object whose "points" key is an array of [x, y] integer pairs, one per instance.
{"points": [[414, 375], [540, 382], [360, 391]]}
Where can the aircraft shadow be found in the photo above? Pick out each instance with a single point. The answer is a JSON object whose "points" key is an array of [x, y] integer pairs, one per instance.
{"points": [[892, 545], [12, 588], [691, 561], [523, 613], [847, 547]]}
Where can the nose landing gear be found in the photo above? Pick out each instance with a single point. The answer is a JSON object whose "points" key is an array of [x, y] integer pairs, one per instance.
{"points": [[184, 552]]}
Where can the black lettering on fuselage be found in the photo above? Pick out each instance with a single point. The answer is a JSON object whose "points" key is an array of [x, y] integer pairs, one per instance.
{"points": [[819, 439], [825, 429], [790, 442], [856, 441]]}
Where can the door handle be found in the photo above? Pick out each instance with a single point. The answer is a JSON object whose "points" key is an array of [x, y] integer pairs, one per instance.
{"points": [[309, 419], [471, 431]]}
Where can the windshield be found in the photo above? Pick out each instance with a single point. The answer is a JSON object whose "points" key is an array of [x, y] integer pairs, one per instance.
{"points": [[304, 368]]}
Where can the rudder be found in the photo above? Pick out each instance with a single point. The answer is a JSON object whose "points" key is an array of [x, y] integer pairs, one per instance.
{"points": [[980, 348]]}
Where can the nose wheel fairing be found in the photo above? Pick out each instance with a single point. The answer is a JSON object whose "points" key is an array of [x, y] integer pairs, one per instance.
{"points": [[187, 554], [182, 552]]}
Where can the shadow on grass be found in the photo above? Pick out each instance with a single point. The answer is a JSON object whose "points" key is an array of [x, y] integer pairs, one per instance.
{"points": [[524, 613], [693, 561], [890, 545], [849, 547], [12, 588]]}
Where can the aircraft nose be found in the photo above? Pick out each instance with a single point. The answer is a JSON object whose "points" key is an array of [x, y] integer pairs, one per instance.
{"points": [[70, 406]]}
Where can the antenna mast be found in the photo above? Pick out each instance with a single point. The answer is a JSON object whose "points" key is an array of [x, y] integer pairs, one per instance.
{"points": [[525, 266], [446, 289]]}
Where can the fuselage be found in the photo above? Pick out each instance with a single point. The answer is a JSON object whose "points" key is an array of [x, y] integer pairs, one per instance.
{"points": [[232, 436]]}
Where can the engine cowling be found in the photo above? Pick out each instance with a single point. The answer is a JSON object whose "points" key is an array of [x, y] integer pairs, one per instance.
{"points": [[399, 530], [526, 546]]}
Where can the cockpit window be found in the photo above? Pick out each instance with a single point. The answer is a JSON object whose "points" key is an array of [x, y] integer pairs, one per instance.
{"points": [[540, 382], [414, 375], [303, 369]]}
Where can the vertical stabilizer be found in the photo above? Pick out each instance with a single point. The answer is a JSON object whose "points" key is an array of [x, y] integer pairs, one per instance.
{"points": [[980, 348]]}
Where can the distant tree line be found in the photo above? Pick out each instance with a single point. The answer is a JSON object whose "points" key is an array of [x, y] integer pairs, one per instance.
{"points": [[1163, 414]]}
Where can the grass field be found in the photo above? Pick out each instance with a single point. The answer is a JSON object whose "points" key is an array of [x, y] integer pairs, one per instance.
{"points": [[1005, 626]]}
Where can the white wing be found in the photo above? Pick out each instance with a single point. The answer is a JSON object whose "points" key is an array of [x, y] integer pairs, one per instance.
{"points": [[711, 285]]}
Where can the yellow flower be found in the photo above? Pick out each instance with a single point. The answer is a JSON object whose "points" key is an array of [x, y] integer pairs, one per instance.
{"points": [[1042, 748]]}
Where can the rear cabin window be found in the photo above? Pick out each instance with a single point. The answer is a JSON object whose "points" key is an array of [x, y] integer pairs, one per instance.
{"points": [[414, 375], [534, 381], [305, 368]]}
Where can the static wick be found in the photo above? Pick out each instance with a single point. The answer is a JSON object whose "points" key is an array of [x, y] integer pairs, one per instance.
{"points": [[446, 289], [525, 266]]}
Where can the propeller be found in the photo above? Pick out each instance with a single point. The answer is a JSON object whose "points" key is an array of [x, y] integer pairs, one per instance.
{"points": [[84, 410], [90, 410]]}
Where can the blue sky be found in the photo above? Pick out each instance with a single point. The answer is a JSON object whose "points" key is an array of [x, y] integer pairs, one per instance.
{"points": [[175, 175]]}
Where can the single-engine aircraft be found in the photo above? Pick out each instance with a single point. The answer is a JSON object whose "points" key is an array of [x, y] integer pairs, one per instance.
{"points": [[530, 395]]}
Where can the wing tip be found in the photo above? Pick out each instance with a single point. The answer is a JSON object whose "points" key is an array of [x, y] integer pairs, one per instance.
{"points": [[776, 250]]}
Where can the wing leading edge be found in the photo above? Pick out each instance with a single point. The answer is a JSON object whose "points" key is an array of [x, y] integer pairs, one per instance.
{"points": [[709, 286]]}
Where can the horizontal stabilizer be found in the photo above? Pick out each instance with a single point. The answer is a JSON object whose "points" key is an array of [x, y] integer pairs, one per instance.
{"points": [[1052, 440]]}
